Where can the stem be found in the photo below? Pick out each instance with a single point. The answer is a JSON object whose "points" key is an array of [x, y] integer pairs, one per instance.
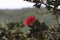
{"points": [[57, 20]]}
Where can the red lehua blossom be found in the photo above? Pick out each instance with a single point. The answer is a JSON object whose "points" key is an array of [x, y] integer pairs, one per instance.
{"points": [[29, 20]]}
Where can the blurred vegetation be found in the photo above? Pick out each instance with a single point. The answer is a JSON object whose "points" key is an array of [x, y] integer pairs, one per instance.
{"points": [[45, 33], [13, 23]]}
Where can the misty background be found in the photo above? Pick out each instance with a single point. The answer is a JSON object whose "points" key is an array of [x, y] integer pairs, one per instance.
{"points": [[18, 10]]}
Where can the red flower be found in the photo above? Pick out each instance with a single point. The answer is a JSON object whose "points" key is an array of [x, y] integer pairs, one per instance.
{"points": [[29, 20]]}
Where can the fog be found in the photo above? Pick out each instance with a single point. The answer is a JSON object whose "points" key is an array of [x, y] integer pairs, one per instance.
{"points": [[15, 4]]}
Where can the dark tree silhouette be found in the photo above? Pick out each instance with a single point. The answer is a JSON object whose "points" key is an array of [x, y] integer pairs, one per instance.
{"points": [[55, 3]]}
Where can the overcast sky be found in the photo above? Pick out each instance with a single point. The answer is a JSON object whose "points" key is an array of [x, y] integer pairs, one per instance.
{"points": [[14, 4]]}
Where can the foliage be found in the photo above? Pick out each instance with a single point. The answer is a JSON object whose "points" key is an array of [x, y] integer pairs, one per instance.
{"points": [[41, 32], [13, 25]]}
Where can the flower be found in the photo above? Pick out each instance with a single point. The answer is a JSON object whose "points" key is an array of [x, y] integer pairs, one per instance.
{"points": [[29, 20]]}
